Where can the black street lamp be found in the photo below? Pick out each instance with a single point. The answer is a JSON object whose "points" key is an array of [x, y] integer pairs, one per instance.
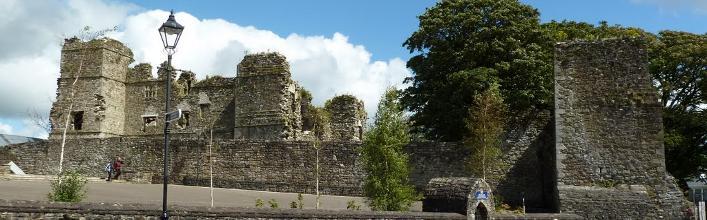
{"points": [[170, 31]]}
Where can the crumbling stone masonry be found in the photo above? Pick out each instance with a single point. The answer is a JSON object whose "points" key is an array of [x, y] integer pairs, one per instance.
{"points": [[112, 100], [598, 155], [447, 194], [278, 166], [609, 134], [255, 117], [347, 117], [526, 173], [267, 102], [99, 93]]}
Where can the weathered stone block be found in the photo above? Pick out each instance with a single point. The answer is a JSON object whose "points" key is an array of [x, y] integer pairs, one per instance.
{"points": [[609, 132]]}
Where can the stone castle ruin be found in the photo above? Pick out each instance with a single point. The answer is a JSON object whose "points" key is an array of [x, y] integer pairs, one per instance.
{"points": [[113, 100], [598, 154]]}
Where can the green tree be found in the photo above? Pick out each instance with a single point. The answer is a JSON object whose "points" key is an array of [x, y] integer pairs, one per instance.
{"points": [[386, 185], [685, 140], [570, 30], [678, 63], [485, 125], [464, 45], [320, 121]]}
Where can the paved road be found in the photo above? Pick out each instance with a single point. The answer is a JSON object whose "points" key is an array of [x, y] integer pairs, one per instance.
{"points": [[116, 192]]}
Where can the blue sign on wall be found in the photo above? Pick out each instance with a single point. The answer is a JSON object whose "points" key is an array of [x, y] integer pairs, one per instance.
{"points": [[481, 195]]}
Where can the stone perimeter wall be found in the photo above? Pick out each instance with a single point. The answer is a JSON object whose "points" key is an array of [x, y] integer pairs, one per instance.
{"points": [[281, 166], [609, 133], [527, 162], [46, 210], [288, 166]]}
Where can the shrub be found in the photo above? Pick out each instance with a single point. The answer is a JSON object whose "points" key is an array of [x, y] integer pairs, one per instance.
{"points": [[300, 201], [68, 187], [293, 205], [351, 205], [498, 202], [273, 203], [606, 183], [259, 203]]}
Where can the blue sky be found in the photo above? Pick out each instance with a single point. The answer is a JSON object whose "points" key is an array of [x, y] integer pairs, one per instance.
{"points": [[327, 42], [382, 26]]}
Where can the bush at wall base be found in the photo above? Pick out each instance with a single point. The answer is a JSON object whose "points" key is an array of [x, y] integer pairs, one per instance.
{"points": [[69, 186]]}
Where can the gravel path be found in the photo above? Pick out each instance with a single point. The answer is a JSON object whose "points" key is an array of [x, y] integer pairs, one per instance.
{"points": [[117, 192]]}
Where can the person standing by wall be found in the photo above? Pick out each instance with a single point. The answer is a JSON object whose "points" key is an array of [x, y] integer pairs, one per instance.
{"points": [[109, 170], [117, 167]]}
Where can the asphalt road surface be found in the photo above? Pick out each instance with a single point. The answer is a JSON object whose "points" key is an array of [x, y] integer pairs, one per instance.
{"points": [[117, 192]]}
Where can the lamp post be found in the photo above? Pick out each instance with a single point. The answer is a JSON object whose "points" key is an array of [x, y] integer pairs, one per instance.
{"points": [[170, 31]]}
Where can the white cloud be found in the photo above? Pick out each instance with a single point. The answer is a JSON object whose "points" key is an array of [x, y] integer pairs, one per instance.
{"points": [[5, 129], [325, 65], [22, 127], [32, 33]]}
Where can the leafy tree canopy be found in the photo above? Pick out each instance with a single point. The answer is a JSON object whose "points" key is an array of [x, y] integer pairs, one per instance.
{"points": [[462, 47], [678, 63], [571, 30]]}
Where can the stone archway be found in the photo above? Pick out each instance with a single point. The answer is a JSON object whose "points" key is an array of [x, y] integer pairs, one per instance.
{"points": [[480, 201], [481, 213]]}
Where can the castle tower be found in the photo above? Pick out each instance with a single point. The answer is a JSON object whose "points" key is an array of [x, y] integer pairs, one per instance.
{"points": [[347, 118], [267, 102], [99, 68], [609, 133]]}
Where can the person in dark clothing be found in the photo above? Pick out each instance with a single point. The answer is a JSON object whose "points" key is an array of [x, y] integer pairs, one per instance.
{"points": [[117, 167]]}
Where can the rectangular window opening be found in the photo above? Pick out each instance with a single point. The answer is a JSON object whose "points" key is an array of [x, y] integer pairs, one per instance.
{"points": [[203, 110], [77, 120], [148, 121], [149, 92], [183, 122]]}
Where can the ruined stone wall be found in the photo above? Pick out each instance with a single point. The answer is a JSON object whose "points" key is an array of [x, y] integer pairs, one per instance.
{"points": [[138, 73], [50, 210], [204, 104], [144, 99], [108, 107], [347, 118], [429, 160], [212, 106], [628, 202], [526, 154], [83, 101], [609, 131], [283, 166], [32, 155], [266, 100], [99, 91], [261, 103]]}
